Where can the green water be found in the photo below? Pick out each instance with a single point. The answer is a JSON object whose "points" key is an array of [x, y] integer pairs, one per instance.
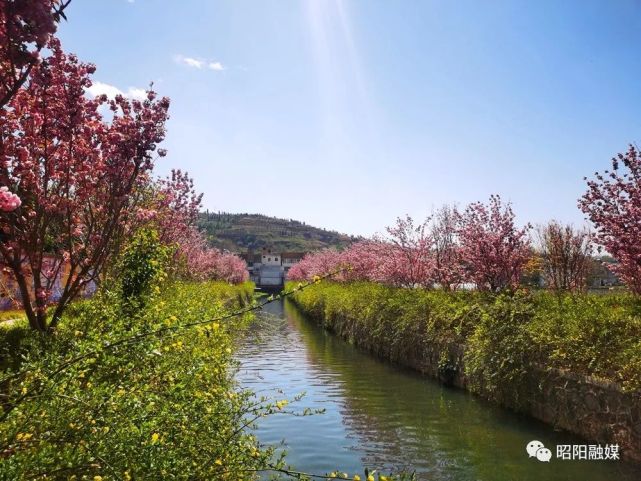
{"points": [[381, 416]]}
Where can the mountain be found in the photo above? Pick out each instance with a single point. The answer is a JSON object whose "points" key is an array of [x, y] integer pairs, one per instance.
{"points": [[243, 232]]}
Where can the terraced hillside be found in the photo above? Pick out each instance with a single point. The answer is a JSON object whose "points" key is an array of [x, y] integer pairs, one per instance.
{"points": [[243, 232]]}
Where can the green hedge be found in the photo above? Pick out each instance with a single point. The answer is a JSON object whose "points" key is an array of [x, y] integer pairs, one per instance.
{"points": [[504, 336]]}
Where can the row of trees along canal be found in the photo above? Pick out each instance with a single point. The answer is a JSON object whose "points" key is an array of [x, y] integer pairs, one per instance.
{"points": [[482, 245]]}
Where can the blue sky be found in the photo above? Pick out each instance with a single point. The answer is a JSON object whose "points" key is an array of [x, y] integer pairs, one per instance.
{"points": [[347, 114]]}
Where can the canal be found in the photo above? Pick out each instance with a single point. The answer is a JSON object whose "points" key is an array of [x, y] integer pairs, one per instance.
{"points": [[381, 416]]}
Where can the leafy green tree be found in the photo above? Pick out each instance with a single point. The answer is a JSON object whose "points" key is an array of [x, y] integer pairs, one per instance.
{"points": [[143, 267]]}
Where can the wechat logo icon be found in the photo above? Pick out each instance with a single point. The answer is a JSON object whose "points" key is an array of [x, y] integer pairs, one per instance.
{"points": [[536, 449]]}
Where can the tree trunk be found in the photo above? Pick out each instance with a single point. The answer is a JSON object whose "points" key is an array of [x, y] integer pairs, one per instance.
{"points": [[37, 322]]}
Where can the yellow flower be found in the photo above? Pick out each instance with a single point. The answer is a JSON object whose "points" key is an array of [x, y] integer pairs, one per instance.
{"points": [[154, 438], [215, 325], [97, 478], [127, 476], [218, 462], [357, 477], [370, 478], [282, 404], [382, 478]]}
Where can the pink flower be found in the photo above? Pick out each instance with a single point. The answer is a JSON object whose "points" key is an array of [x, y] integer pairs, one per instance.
{"points": [[145, 215], [95, 169], [8, 200], [613, 204], [493, 250], [26, 27]]}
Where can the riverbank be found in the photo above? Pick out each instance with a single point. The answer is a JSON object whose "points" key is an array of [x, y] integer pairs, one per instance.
{"points": [[571, 361], [115, 396]]}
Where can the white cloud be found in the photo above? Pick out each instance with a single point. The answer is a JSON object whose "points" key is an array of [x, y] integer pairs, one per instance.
{"points": [[189, 61], [192, 62], [99, 88], [198, 63], [136, 93]]}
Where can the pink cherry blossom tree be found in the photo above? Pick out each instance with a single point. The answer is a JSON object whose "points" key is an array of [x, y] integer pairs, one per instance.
{"points": [[445, 251], [196, 260], [230, 268], [171, 207], [481, 245], [408, 259], [364, 261], [613, 204], [75, 176], [25, 28], [315, 264], [493, 250], [176, 204], [299, 271]]}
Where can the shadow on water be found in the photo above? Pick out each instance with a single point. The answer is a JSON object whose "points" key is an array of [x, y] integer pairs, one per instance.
{"points": [[382, 416]]}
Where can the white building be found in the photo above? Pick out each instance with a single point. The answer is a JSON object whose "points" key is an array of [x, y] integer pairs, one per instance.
{"points": [[270, 268], [269, 259]]}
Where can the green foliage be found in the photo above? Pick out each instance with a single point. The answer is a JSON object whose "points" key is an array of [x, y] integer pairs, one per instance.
{"points": [[596, 335], [142, 267], [396, 323], [86, 403], [11, 335], [505, 337], [498, 357]]}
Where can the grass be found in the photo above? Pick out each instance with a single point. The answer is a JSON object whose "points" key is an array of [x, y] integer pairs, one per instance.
{"points": [[11, 315]]}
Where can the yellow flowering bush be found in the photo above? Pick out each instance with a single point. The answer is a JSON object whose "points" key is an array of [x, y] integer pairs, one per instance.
{"points": [[107, 398]]}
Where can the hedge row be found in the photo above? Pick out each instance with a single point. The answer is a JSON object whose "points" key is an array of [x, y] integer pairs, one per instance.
{"points": [[503, 336]]}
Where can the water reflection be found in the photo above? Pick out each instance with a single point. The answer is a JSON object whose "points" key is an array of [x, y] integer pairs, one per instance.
{"points": [[380, 416]]}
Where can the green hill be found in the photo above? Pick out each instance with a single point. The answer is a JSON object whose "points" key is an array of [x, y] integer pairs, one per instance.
{"points": [[243, 232]]}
